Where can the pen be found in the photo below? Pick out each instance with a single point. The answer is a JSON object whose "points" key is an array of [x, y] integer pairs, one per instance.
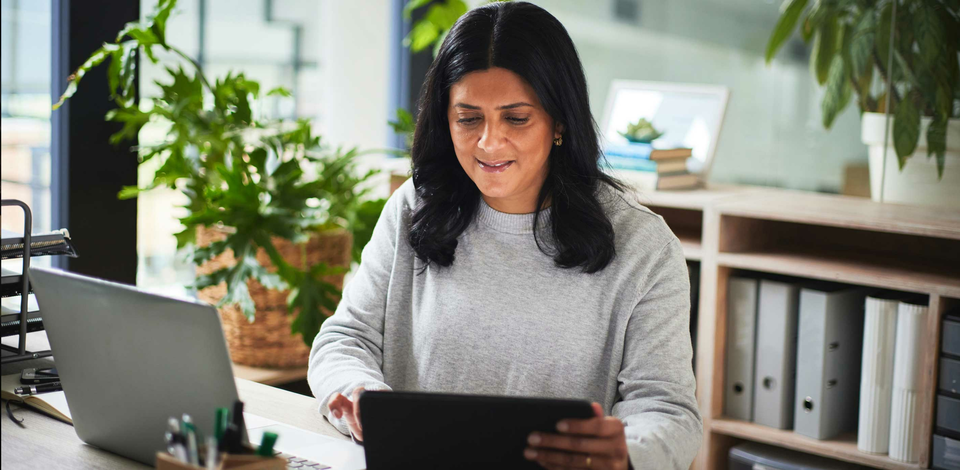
{"points": [[211, 453], [220, 427], [36, 389], [190, 431], [175, 444], [266, 444]]}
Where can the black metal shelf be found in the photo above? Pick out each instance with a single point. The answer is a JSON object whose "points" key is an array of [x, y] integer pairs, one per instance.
{"points": [[24, 247]]}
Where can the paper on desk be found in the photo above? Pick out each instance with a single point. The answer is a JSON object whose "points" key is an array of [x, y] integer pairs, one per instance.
{"points": [[53, 403], [337, 453]]}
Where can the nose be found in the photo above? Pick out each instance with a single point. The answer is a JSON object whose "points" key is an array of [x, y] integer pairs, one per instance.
{"points": [[493, 139]]}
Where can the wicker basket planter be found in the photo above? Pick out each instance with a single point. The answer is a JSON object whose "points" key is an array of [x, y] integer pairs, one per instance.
{"points": [[267, 342]]}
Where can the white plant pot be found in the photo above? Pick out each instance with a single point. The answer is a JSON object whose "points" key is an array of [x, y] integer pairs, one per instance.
{"points": [[917, 184]]}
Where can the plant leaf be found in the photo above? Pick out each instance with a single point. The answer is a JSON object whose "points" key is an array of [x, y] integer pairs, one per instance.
{"points": [[906, 128], [824, 48], [94, 60], [937, 143], [281, 91], [882, 43], [413, 5], [928, 32], [789, 14], [861, 44], [422, 35], [837, 93]]}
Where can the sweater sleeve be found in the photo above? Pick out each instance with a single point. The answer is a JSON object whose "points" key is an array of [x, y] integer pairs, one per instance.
{"points": [[348, 351], [658, 406]]}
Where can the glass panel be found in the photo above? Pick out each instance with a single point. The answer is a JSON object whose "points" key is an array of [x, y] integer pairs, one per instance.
{"points": [[25, 105]]}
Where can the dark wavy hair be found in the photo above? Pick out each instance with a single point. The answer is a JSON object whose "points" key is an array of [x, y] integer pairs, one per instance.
{"points": [[528, 41]]}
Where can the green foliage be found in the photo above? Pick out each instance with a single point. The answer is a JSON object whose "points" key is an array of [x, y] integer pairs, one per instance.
{"points": [[405, 124], [641, 131], [851, 51], [262, 178]]}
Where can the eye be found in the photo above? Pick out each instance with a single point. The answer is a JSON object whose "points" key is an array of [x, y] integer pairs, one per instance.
{"points": [[516, 120], [468, 120]]}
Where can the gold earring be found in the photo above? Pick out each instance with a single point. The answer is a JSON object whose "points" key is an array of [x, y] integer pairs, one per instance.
{"points": [[558, 141]]}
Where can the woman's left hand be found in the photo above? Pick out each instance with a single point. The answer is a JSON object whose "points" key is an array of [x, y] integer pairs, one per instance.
{"points": [[598, 443]]}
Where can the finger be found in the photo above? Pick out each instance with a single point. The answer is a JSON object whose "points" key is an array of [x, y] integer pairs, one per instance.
{"points": [[339, 405], [597, 410], [573, 443], [355, 397], [606, 427], [564, 459]]}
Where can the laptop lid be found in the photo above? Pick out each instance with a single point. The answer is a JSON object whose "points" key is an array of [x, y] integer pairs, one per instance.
{"points": [[129, 360]]}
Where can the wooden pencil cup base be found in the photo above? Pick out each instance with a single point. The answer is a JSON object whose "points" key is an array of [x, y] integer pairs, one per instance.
{"points": [[166, 461]]}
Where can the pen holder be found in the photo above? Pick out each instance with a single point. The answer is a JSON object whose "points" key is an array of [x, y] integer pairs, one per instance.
{"points": [[166, 461]]}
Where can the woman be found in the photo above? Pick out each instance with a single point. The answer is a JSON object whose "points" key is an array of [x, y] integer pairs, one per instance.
{"points": [[511, 264]]}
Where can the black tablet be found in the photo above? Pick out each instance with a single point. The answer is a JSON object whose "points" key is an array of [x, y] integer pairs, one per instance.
{"points": [[418, 430]]}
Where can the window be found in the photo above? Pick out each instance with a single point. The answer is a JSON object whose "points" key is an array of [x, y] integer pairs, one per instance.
{"points": [[25, 107]]}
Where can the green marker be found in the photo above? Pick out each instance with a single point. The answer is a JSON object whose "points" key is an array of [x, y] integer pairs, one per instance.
{"points": [[266, 444], [220, 423]]}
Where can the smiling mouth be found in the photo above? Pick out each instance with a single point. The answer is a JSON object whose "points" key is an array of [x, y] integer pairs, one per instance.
{"points": [[496, 164]]}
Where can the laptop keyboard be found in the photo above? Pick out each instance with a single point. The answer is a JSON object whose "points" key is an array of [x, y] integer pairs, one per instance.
{"points": [[303, 464]]}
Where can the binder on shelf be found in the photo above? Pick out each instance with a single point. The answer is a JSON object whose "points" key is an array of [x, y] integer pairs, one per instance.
{"points": [[948, 416], [946, 453], [742, 293], [776, 353], [911, 321], [829, 345], [756, 456], [950, 342], [876, 377], [950, 375]]}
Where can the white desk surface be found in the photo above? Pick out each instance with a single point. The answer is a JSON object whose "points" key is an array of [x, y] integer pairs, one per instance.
{"points": [[46, 443]]}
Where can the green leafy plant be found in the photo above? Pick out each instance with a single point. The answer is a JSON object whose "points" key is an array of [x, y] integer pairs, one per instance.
{"points": [[641, 131], [851, 53], [261, 178]]}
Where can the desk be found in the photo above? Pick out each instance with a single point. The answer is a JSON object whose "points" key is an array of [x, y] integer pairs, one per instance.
{"points": [[50, 444]]}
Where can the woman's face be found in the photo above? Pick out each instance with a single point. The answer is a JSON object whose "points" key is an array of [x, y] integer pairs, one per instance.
{"points": [[502, 137]]}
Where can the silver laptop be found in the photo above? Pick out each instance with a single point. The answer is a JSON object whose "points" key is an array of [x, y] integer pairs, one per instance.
{"points": [[129, 360]]}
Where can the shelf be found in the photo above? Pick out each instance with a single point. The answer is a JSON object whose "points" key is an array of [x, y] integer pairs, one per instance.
{"points": [[693, 199], [269, 376], [850, 268], [843, 448], [845, 212], [692, 247]]}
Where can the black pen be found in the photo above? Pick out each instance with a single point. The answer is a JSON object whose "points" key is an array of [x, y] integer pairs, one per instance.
{"points": [[36, 389]]}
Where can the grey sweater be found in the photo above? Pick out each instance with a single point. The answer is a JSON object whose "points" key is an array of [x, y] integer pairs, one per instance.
{"points": [[502, 319]]}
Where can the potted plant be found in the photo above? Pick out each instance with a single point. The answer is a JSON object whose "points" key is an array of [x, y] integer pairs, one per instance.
{"points": [[273, 218], [897, 59]]}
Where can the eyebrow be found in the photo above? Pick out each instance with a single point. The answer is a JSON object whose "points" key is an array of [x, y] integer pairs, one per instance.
{"points": [[506, 106]]}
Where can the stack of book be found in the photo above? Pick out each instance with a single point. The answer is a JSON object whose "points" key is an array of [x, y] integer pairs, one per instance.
{"points": [[650, 169]]}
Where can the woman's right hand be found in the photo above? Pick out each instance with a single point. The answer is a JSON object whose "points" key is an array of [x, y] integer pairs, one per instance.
{"points": [[348, 408]]}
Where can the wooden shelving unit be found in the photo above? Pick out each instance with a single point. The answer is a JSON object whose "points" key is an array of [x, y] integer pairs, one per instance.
{"points": [[844, 448], [816, 236]]}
